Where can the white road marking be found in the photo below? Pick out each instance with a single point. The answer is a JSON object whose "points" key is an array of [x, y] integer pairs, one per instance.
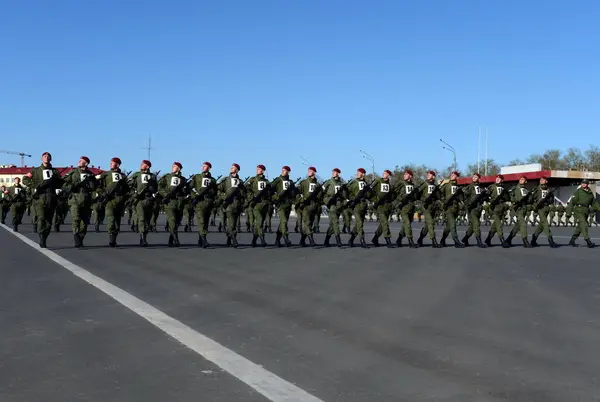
{"points": [[268, 384]]}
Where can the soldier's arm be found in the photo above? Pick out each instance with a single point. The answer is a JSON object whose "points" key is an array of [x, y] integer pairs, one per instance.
{"points": [[28, 179], [162, 186]]}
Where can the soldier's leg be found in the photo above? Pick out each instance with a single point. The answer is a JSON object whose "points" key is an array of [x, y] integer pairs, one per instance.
{"points": [[430, 224], [384, 222], [20, 211], [75, 218], [583, 225], [360, 224], [268, 218], [470, 225], [140, 216], [85, 214], [307, 220], [202, 218], [284, 215], [250, 221], [259, 212]]}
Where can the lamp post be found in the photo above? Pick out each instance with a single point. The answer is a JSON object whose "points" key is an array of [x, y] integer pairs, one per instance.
{"points": [[370, 158], [450, 148]]}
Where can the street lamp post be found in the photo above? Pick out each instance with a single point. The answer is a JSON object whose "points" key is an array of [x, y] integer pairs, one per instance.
{"points": [[450, 148], [370, 158]]}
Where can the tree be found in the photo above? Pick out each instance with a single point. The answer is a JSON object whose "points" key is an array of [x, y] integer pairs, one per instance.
{"points": [[573, 159], [492, 168], [592, 158], [419, 172]]}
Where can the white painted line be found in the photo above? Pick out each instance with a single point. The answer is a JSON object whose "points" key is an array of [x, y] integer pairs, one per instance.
{"points": [[268, 384]]}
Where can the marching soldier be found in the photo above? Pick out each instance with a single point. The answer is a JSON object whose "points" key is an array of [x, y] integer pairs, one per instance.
{"points": [[259, 189], [520, 199], [284, 192], [204, 191], [145, 187], [579, 206], [172, 188], [429, 192], [232, 191], [4, 204], [452, 196], [18, 203], [474, 197], [113, 189], [382, 198], [335, 195], [44, 182], [309, 190], [543, 199], [359, 191], [81, 183], [498, 197], [406, 196]]}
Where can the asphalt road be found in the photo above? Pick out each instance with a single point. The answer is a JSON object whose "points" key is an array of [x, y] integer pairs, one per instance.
{"points": [[342, 324]]}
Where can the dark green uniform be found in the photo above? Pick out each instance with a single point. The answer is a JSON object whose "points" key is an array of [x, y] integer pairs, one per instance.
{"points": [[172, 188], [80, 184], [44, 181], [259, 197], [521, 201], [551, 214], [335, 194], [61, 210], [543, 201], [474, 196], [4, 204], [429, 192], [579, 206], [231, 190], [98, 212], [498, 198], [359, 192], [203, 188], [407, 193], [382, 197], [560, 215], [309, 191], [113, 189], [452, 196], [284, 192], [18, 204], [145, 187]]}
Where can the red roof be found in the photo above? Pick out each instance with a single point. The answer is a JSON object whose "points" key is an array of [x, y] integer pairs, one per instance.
{"points": [[507, 177], [24, 170]]}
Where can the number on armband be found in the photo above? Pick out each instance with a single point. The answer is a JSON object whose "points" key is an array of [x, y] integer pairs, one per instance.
{"points": [[145, 178], [453, 189], [361, 185], [175, 181], [337, 188], [385, 188], [408, 189], [499, 190], [312, 187], [544, 193], [116, 177], [286, 184], [47, 174], [261, 185], [430, 189], [234, 182], [205, 182], [17, 190], [477, 190], [83, 176]]}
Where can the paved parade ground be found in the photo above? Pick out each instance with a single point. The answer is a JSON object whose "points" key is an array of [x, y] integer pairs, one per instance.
{"points": [[299, 324]]}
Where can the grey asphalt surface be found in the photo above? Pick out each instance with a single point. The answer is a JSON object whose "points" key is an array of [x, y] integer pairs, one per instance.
{"points": [[345, 325]]}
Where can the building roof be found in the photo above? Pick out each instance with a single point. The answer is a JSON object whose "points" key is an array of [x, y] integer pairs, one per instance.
{"points": [[24, 170], [551, 174]]}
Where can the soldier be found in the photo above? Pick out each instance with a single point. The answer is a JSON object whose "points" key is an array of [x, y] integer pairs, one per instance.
{"points": [[44, 181], [4, 204], [429, 192], [172, 187], [204, 191], [382, 197], [113, 189], [520, 199], [80, 183], [232, 191], [335, 195], [579, 206], [145, 187], [474, 197], [498, 199], [284, 192], [18, 203], [309, 190], [259, 193], [406, 196], [543, 200], [560, 214], [452, 195], [359, 192]]}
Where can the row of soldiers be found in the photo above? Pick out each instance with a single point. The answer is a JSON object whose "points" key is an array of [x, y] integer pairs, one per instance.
{"points": [[231, 196]]}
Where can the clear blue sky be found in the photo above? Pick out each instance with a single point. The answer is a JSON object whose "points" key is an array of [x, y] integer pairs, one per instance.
{"points": [[268, 81]]}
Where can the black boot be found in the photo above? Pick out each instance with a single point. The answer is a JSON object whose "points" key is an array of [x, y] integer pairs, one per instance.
{"points": [[457, 243], [488, 239], [399, 241], [435, 244], [551, 242], [43, 241], [97, 228], [176, 239], [170, 242], [411, 243], [480, 244], [526, 243], [254, 238], [351, 241], [508, 240], [388, 242], [326, 242], [504, 243], [278, 239], [303, 240], [572, 242], [205, 243], [375, 241], [263, 243], [144, 240], [76, 240], [420, 240], [338, 240], [112, 240], [228, 241], [234, 242], [363, 243], [311, 240], [533, 240], [15, 228], [589, 243], [286, 241], [443, 242], [465, 241]]}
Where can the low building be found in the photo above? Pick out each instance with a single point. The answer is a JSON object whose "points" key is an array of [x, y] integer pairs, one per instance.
{"points": [[10, 172]]}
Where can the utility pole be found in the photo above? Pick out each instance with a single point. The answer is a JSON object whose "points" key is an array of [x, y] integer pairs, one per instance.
{"points": [[149, 147], [370, 158], [450, 148]]}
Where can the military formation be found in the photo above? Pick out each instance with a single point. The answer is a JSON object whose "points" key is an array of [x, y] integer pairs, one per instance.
{"points": [[144, 194]]}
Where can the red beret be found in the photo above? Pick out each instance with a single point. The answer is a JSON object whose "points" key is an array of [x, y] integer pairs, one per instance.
{"points": [[208, 164], [116, 160], [86, 159], [477, 174], [314, 169], [456, 173], [431, 172], [363, 171], [388, 172], [47, 153], [178, 164], [544, 177], [410, 172], [236, 166], [261, 167], [286, 167], [522, 177], [500, 177], [147, 162], [337, 170]]}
